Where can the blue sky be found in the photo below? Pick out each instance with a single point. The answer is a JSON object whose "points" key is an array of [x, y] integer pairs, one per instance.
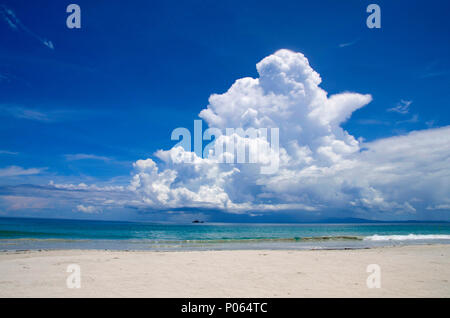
{"points": [[82, 105]]}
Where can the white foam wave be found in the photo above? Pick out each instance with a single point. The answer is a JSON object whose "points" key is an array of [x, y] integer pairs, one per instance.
{"points": [[407, 237]]}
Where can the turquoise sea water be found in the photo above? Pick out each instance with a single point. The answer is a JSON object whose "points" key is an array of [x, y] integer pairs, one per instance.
{"points": [[22, 234]]}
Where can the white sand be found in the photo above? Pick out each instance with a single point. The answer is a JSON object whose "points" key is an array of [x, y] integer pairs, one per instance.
{"points": [[422, 271]]}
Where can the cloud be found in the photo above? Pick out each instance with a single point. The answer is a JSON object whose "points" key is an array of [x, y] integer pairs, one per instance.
{"points": [[342, 45], [323, 169], [10, 18], [4, 78], [14, 171], [430, 123], [8, 78], [7, 152], [83, 186], [373, 122], [66, 197], [413, 119], [434, 69], [82, 156], [36, 115], [434, 74], [402, 107], [25, 113], [402, 173], [25, 202], [88, 209], [322, 166], [445, 207]]}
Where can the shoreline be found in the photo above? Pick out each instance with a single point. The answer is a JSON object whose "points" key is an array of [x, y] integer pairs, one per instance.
{"points": [[277, 244], [187, 250], [406, 271]]}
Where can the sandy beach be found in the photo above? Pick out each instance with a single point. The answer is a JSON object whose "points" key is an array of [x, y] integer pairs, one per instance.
{"points": [[409, 271]]}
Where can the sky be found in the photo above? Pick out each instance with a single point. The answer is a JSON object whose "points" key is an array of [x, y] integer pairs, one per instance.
{"points": [[86, 115]]}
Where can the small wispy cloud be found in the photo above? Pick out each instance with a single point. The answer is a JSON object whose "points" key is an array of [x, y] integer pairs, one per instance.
{"points": [[348, 43], [412, 120], [7, 152], [25, 113], [373, 122], [430, 123], [34, 114], [83, 156], [434, 69], [89, 209], [4, 78], [10, 18], [439, 207], [15, 203], [434, 74], [402, 107], [14, 171]]}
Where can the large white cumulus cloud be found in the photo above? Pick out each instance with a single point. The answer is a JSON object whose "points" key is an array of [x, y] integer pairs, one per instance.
{"points": [[321, 165]]}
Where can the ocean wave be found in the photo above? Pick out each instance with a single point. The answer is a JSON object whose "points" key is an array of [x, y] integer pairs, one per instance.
{"points": [[195, 241], [310, 239], [267, 240], [408, 237]]}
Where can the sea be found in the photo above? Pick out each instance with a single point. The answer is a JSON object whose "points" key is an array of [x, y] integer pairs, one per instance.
{"points": [[17, 234]]}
